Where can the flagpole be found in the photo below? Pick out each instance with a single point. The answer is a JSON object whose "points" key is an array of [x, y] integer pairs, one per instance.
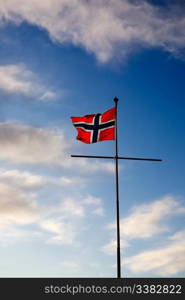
{"points": [[116, 158], [117, 193]]}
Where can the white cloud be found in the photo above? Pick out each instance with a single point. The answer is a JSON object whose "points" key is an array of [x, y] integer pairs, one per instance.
{"points": [[111, 247], [19, 209], [16, 207], [71, 206], [11, 234], [70, 215], [22, 179], [97, 203], [166, 261], [89, 200], [106, 28], [147, 220], [179, 235], [59, 223], [28, 180], [23, 144], [79, 205], [48, 95], [71, 181], [63, 232], [18, 79]]}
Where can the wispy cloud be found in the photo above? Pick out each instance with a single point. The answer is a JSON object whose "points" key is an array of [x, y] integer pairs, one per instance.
{"points": [[166, 261], [16, 207], [28, 180], [111, 247], [10, 235], [18, 79], [150, 219], [59, 223], [95, 203], [61, 231], [23, 144], [66, 220], [105, 28], [145, 222]]}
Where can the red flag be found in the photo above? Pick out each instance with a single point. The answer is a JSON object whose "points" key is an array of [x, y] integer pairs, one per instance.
{"points": [[96, 127]]}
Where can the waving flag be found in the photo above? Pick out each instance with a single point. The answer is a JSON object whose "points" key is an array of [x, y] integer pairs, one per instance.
{"points": [[96, 127]]}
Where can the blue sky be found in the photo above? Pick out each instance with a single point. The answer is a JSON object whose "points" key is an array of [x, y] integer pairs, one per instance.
{"points": [[57, 214]]}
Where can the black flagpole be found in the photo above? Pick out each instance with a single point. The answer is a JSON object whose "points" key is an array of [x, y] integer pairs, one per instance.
{"points": [[117, 194], [116, 158]]}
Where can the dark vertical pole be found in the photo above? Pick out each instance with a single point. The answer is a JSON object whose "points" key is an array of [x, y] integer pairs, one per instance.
{"points": [[117, 196]]}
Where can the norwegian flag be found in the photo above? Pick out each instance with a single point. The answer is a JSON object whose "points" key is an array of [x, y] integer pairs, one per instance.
{"points": [[96, 127]]}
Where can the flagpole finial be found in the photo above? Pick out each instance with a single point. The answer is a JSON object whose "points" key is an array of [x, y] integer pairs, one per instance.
{"points": [[116, 99]]}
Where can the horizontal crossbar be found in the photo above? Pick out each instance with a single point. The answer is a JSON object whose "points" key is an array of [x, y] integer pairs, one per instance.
{"points": [[118, 157]]}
